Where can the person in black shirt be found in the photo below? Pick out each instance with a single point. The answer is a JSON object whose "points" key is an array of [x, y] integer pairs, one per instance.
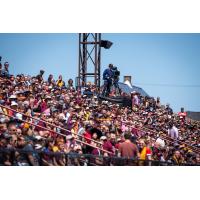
{"points": [[40, 76]]}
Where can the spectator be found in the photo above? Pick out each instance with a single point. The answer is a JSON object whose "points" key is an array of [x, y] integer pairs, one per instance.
{"points": [[177, 158], [51, 81], [5, 71], [127, 148], [40, 76], [145, 151], [28, 157], [182, 115], [173, 132], [60, 83]]}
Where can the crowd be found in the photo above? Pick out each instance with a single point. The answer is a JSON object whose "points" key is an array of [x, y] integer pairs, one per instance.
{"points": [[60, 119]]}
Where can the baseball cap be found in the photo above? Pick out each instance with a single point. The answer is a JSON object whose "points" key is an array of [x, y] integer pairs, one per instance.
{"points": [[38, 146], [13, 97], [13, 103], [19, 116], [103, 138]]}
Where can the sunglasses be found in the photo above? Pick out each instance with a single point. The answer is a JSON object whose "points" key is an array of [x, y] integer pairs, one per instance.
{"points": [[13, 130]]}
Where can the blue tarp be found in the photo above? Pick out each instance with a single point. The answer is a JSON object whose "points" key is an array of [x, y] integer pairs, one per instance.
{"points": [[125, 88]]}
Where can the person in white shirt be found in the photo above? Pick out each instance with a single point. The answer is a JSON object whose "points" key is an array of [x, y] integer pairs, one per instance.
{"points": [[173, 131]]}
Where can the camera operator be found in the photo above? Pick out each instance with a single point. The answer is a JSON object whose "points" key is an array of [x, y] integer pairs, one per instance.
{"points": [[107, 77], [116, 74]]}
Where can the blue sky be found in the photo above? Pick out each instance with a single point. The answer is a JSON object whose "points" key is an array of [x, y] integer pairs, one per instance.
{"points": [[164, 65]]}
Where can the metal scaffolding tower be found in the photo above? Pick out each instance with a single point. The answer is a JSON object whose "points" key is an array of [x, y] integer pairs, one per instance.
{"points": [[89, 62]]}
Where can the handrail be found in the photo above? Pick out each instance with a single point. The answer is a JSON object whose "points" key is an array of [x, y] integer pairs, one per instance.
{"points": [[49, 123], [89, 156], [60, 134]]}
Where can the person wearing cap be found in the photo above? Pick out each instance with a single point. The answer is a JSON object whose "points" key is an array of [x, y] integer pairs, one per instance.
{"points": [[107, 77], [14, 106], [107, 144], [13, 97]]}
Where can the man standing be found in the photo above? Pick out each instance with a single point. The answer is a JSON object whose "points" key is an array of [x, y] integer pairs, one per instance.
{"points": [[182, 115], [127, 149], [173, 131], [5, 71], [107, 77], [40, 76], [169, 110]]}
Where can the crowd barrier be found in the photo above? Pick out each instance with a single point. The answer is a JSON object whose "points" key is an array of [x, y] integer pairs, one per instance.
{"points": [[75, 159]]}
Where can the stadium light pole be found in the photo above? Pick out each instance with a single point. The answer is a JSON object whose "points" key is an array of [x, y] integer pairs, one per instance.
{"points": [[89, 58]]}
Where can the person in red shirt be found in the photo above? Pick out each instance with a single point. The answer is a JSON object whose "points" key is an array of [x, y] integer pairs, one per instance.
{"points": [[43, 105], [87, 135], [106, 144], [182, 115]]}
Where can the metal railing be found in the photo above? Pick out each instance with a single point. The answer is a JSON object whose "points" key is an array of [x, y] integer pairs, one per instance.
{"points": [[75, 159], [47, 129]]}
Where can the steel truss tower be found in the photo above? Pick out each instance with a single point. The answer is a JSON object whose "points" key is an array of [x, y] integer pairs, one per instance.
{"points": [[89, 62]]}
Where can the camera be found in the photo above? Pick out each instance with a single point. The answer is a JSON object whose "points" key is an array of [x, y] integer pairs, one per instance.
{"points": [[116, 72]]}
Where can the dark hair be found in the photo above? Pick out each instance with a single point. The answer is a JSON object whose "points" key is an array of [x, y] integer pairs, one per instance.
{"points": [[127, 136], [110, 65], [42, 71], [170, 124]]}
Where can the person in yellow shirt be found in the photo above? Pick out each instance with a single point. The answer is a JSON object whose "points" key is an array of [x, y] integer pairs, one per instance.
{"points": [[60, 83], [87, 114], [145, 153]]}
